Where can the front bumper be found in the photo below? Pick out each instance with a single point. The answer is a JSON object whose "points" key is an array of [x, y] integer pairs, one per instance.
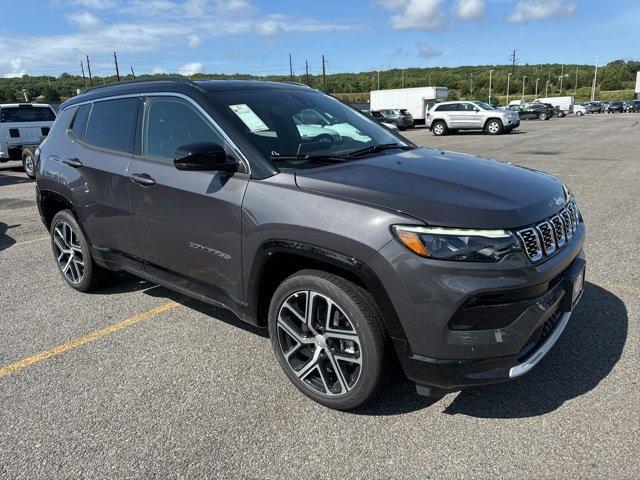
{"points": [[521, 312]]}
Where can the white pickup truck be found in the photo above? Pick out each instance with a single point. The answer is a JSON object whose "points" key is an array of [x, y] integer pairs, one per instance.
{"points": [[23, 126]]}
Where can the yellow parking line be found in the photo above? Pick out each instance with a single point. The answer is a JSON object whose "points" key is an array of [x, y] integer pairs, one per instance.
{"points": [[27, 242], [91, 337]]}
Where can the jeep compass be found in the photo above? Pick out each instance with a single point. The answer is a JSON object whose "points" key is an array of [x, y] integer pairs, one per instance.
{"points": [[353, 246]]}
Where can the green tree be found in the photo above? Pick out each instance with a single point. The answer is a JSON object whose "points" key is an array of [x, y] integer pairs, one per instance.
{"points": [[51, 94], [9, 93]]}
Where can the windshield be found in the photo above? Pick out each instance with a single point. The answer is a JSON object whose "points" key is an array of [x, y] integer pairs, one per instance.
{"points": [[301, 128], [484, 106], [26, 113]]}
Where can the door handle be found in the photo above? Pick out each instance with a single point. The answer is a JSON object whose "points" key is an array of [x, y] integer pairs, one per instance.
{"points": [[72, 162], [143, 179]]}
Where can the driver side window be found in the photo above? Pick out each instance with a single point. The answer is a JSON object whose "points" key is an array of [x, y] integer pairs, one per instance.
{"points": [[170, 123]]}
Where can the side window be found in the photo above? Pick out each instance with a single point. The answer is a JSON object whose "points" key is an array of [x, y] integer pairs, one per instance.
{"points": [[112, 124], [79, 124], [469, 107], [62, 122], [442, 108], [455, 107], [170, 123]]}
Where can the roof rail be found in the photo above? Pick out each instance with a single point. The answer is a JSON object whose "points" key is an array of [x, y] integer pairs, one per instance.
{"points": [[183, 80]]}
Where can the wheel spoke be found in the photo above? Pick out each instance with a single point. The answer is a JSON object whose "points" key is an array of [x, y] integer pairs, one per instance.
{"points": [[292, 332], [327, 390], [311, 364], [336, 368]]}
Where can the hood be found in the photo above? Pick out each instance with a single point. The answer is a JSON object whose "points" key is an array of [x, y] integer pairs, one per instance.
{"points": [[443, 188]]}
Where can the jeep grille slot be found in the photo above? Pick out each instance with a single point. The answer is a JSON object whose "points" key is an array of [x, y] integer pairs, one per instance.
{"points": [[546, 235], [531, 243], [558, 230]]}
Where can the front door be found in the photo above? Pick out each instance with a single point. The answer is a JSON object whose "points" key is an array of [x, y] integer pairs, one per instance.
{"points": [[187, 222]]}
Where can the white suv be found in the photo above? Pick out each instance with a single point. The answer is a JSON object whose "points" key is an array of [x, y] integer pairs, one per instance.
{"points": [[461, 115], [23, 126]]}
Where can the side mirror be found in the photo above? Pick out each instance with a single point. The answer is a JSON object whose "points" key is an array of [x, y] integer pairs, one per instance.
{"points": [[476, 109], [204, 156]]}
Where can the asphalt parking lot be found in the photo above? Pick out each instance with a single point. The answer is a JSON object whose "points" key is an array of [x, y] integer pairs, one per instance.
{"points": [[135, 381]]}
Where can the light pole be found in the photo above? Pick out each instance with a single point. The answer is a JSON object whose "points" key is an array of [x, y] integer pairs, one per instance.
{"points": [[490, 73], [524, 82], [561, 77], [546, 89], [537, 80], [595, 78], [508, 86], [472, 85]]}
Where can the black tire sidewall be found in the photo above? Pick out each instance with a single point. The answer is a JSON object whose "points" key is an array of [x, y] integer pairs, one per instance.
{"points": [[90, 269], [364, 320]]}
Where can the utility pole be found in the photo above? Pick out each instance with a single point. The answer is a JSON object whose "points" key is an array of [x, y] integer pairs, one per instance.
{"points": [[378, 78], [115, 59], [537, 79], [403, 78], [290, 68], [490, 74], [508, 87], [472, 84], [576, 80], [89, 70], [132, 72], [513, 59], [524, 83], [546, 89], [306, 70], [84, 79], [595, 78], [324, 71], [561, 77]]}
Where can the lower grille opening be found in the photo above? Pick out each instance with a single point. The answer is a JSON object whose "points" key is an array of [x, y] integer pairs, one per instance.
{"points": [[539, 336]]}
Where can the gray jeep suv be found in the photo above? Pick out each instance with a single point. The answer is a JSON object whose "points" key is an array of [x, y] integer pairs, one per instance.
{"points": [[352, 248], [447, 117]]}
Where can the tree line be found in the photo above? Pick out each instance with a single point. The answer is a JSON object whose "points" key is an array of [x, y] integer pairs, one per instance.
{"points": [[462, 82]]}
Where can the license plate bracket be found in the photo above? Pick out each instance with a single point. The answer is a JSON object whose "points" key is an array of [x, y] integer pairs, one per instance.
{"points": [[573, 286]]}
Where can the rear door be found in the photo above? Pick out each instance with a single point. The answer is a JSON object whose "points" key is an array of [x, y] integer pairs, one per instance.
{"points": [[187, 222], [470, 118], [103, 138]]}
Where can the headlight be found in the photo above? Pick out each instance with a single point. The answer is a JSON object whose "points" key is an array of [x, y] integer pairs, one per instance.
{"points": [[457, 244]]}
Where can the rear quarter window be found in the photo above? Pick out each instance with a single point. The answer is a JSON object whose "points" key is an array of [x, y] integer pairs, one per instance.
{"points": [[79, 124], [112, 124]]}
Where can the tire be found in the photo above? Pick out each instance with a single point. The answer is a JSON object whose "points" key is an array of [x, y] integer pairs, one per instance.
{"points": [[305, 347], [439, 128], [543, 116], [579, 114], [494, 127], [28, 162], [72, 255]]}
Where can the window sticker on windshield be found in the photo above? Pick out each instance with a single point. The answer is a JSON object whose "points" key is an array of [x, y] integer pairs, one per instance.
{"points": [[249, 117]]}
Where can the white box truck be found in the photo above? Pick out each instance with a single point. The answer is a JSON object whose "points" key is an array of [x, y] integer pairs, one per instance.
{"points": [[416, 100], [565, 103]]}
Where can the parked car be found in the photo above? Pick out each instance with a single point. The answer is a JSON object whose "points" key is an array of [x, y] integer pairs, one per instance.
{"points": [[615, 107], [633, 106], [597, 107], [563, 104], [353, 253], [22, 128], [453, 116], [539, 111], [380, 118], [579, 109], [401, 118]]}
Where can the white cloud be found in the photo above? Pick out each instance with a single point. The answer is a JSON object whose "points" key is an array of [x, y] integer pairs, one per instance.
{"points": [[190, 68], [415, 14], [234, 6], [194, 41], [470, 9], [157, 70], [530, 10], [92, 4], [84, 20], [195, 8], [425, 51]]}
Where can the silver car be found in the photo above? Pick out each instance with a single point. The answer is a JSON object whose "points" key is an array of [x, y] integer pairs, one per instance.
{"points": [[447, 117]]}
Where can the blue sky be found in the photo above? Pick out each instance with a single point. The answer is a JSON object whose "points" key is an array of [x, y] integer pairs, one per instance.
{"points": [[256, 36]]}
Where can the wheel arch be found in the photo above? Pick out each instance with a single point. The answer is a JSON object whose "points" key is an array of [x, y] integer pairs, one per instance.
{"points": [[492, 118], [278, 259], [51, 203]]}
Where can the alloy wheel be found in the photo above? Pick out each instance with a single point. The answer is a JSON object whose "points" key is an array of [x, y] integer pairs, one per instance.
{"points": [[319, 343], [68, 251], [438, 129], [493, 127], [28, 164]]}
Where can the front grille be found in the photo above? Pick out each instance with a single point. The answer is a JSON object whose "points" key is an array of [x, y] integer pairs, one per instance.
{"points": [[547, 237]]}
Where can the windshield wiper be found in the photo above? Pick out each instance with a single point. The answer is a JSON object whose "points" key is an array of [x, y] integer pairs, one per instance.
{"points": [[378, 148], [311, 158]]}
